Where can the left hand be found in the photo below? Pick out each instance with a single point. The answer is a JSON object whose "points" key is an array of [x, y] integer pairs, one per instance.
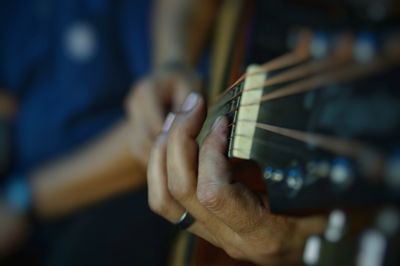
{"points": [[182, 176], [149, 101]]}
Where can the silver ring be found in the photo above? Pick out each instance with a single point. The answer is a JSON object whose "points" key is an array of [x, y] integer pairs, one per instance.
{"points": [[185, 221]]}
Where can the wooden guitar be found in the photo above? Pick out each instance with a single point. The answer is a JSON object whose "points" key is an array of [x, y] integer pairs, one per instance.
{"points": [[323, 128]]}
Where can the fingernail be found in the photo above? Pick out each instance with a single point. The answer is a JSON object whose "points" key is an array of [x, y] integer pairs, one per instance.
{"points": [[220, 126], [168, 122], [190, 102]]}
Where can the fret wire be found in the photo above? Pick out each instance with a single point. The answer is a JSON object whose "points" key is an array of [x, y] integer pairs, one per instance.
{"points": [[223, 104], [214, 115]]}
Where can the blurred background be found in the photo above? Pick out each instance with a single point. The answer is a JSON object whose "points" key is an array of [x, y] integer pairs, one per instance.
{"points": [[72, 148], [66, 69]]}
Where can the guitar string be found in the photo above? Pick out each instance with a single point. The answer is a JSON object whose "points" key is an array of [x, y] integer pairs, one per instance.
{"points": [[353, 71], [298, 72], [342, 75], [302, 71], [340, 147], [214, 111], [278, 63], [279, 78], [341, 55], [351, 148], [301, 52]]}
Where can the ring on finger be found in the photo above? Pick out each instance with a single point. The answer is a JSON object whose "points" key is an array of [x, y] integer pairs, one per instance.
{"points": [[185, 221]]}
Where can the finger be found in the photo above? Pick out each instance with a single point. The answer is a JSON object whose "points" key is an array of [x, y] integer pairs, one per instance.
{"points": [[233, 204], [182, 157], [160, 200]]}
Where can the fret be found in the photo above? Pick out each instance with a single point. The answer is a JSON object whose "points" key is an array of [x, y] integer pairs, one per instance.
{"points": [[227, 106], [232, 118]]}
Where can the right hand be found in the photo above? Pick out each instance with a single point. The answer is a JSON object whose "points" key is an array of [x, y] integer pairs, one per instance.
{"points": [[149, 102], [13, 229]]}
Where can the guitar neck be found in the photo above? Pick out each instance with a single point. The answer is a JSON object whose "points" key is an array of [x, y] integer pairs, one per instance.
{"points": [[273, 109]]}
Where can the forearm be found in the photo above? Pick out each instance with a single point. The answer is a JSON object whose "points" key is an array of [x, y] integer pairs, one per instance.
{"points": [[103, 168], [170, 30]]}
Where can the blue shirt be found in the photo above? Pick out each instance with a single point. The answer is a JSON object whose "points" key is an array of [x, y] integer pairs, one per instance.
{"points": [[70, 63]]}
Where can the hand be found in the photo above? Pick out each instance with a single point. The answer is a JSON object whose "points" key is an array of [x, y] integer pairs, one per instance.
{"points": [[229, 215], [13, 229], [150, 100]]}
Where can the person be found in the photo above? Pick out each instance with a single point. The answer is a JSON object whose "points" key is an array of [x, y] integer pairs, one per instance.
{"points": [[70, 65], [185, 179]]}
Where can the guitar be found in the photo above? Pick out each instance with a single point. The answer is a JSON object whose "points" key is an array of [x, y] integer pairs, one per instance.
{"points": [[323, 128]]}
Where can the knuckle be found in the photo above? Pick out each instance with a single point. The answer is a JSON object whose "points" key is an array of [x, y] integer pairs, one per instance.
{"points": [[159, 207], [209, 195], [181, 192]]}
